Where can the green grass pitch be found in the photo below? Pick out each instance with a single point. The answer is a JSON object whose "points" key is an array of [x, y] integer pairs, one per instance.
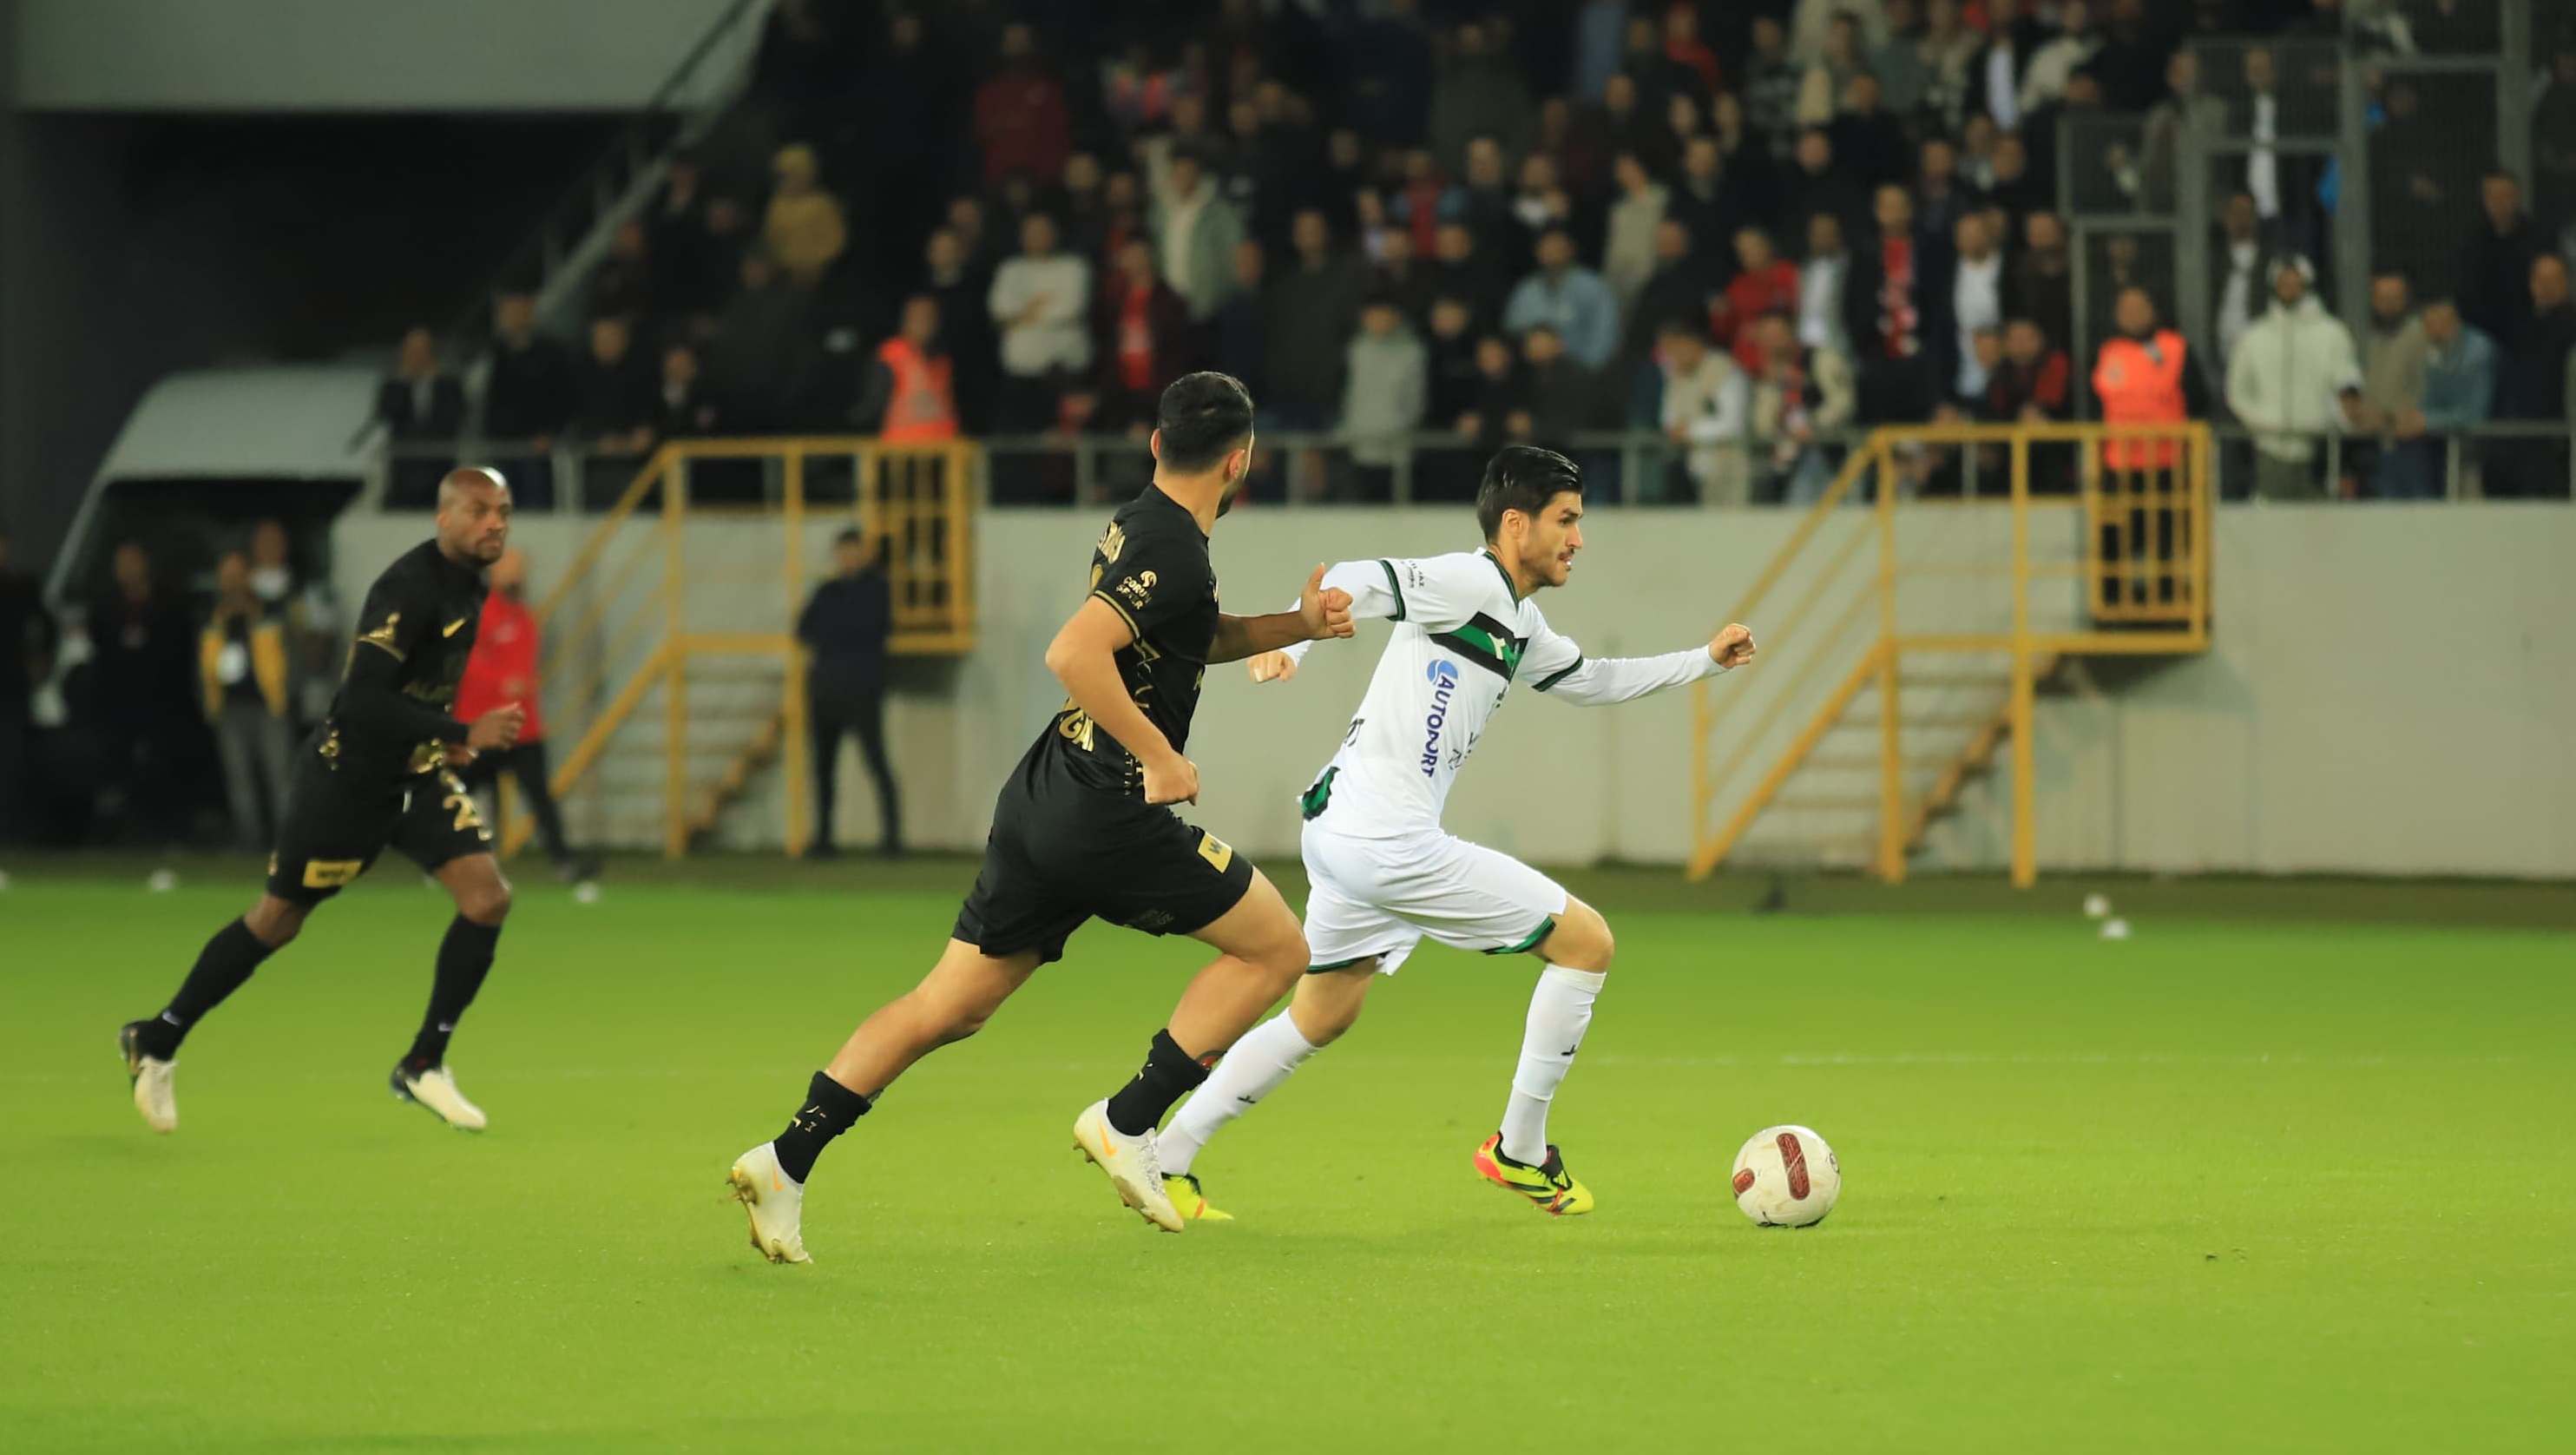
{"points": [[2290, 1170]]}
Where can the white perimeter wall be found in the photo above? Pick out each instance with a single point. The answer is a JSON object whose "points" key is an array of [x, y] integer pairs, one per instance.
{"points": [[2393, 691]]}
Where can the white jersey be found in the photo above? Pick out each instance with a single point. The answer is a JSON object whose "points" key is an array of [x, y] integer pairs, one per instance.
{"points": [[1463, 635]]}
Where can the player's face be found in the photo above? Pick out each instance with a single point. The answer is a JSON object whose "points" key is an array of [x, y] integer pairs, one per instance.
{"points": [[1555, 535], [476, 526]]}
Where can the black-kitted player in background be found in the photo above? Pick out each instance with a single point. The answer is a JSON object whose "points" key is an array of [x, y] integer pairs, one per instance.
{"points": [[1083, 828], [379, 770]]}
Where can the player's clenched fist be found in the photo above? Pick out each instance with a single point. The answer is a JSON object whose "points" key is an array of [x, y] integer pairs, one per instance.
{"points": [[1733, 646], [1272, 667], [498, 728], [1172, 780], [1326, 609]]}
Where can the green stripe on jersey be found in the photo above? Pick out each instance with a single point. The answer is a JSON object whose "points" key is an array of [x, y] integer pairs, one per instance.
{"points": [[1525, 946], [1389, 568]]}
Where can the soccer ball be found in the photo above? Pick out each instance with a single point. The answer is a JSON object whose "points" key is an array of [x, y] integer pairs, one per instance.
{"points": [[1786, 1177]]}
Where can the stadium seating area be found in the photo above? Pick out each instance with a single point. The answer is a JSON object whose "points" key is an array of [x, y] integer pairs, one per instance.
{"points": [[1510, 221]]}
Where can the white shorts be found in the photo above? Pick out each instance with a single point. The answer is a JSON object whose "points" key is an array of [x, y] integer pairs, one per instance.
{"points": [[1378, 898]]}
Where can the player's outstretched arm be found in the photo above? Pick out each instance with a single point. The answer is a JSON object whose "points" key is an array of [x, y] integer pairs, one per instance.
{"points": [[1322, 611], [1083, 658], [1560, 670]]}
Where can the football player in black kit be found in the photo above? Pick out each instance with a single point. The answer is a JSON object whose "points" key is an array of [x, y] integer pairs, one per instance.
{"points": [[380, 770], [1083, 828]]}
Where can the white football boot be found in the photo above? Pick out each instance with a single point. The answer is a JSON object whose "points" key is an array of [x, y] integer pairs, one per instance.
{"points": [[774, 1201], [151, 1078], [1134, 1167], [435, 1090]]}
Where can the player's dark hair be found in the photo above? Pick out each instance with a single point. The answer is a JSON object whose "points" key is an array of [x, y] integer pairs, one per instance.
{"points": [[1204, 417], [1523, 478]]}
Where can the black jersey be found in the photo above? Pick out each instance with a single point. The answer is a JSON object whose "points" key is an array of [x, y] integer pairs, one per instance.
{"points": [[395, 708], [1152, 567]]}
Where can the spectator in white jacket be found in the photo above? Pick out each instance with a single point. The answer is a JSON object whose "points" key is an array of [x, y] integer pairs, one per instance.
{"points": [[1041, 301], [2294, 378], [1708, 409], [1628, 259]]}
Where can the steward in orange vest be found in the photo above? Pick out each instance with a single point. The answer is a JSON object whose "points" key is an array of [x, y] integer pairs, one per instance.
{"points": [[910, 390], [2146, 376]]}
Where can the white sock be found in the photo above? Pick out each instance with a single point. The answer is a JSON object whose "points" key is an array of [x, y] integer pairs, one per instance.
{"points": [[1253, 1069], [1559, 1010]]}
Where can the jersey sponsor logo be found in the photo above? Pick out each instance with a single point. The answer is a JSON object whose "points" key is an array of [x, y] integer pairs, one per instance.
{"points": [[452, 628], [1443, 676], [331, 873], [1136, 588], [1218, 853]]}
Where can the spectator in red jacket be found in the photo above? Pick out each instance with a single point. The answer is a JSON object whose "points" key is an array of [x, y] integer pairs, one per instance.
{"points": [[1766, 283], [1141, 341], [503, 669], [1020, 117]]}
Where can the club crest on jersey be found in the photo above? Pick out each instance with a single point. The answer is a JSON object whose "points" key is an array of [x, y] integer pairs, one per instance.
{"points": [[1112, 541], [1443, 677]]}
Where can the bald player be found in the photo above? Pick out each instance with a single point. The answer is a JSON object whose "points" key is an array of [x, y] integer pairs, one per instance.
{"points": [[381, 769]]}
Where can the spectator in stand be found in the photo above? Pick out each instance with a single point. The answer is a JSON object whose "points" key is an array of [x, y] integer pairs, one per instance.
{"points": [[2012, 38], [1477, 91], [804, 231], [1948, 47], [966, 323], [1238, 339], [241, 670], [1196, 230], [2043, 277], [1390, 76], [2033, 382], [1896, 308], [614, 390], [1801, 394], [2183, 108], [1400, 276], [1314, 305], [1041, 302], [1386, 390], [762, 353], [1710, 200], [2458, 394], [2043, 82], [1540, 203], [2392, 370], [1821, 91], [1628, 257], [983, 251], [1817, 184], [2534, 389], [1684, 48], [2495, 266], [1815, 21], [1500, 413], [1869, 140], [1465, 269], [502, 669], [1568, 298], [911, 395], [844, 629], [682, 409], [1596, 37], [527, 397], [2553, 141], [1764, 283], [2294, 378], [1682, 286], [1485, 203], [305, 612], [1425, 201], [26, 647], [143, 647], [685, 279], [1940, 197], [1706, 409], [421, 404], [1976, 300], [1562, 396], [1021, 121], [623, 285], [2017, 189], [1824, 287], [1450, 362], [1772, 81], [1898, 61], [2240, 290], [1141, 340]]}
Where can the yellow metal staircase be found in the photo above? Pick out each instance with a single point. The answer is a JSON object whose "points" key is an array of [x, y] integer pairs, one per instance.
{"points": [[1885, 690], [670, 643]]}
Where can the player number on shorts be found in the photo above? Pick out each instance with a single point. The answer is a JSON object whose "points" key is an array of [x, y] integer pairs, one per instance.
{"points": [[468, 817]]}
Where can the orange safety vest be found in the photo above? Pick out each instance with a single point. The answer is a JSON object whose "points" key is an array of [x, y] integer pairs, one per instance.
{"points": [[2141, 383], [921, 408]]}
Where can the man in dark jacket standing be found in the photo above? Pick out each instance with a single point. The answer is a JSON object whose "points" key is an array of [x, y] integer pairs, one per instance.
{"points": [[844, 630]]}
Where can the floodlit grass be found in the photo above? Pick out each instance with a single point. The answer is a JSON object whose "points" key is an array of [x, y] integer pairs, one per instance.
{"points": [[2293, 1180]]}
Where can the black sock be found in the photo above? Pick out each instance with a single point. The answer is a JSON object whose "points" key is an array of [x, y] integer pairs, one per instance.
{"points": [[1169, 1074], [464, 958], [828, 1111], [221, 968]]}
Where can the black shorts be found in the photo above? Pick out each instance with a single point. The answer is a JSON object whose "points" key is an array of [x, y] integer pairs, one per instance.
{"points": [[1061, 853], [334, 828]]}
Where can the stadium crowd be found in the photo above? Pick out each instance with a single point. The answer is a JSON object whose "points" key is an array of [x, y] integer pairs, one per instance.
{"points": [[1747, 226]]}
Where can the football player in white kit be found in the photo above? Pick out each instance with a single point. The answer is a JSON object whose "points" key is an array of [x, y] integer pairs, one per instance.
{"points": [[1385, 874]]}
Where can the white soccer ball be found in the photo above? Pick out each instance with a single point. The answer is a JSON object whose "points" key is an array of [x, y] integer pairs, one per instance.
{"points": [[1786, 1177], [2096, 905], [2115, 928]]}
